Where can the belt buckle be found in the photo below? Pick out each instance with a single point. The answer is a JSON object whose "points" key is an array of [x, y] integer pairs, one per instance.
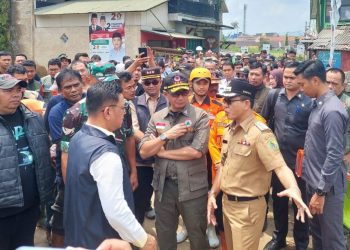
{"points": [[235, 198]]}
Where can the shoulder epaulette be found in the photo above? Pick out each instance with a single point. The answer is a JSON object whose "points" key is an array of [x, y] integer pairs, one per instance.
{"points": [[261, 126], [217, 102], [228, 125]]}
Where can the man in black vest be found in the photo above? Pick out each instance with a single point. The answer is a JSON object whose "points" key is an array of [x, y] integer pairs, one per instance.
{"points": [[98, 191]]}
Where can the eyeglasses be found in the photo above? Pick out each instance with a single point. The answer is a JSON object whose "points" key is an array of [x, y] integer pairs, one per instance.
{"points": [[178, 93], [153, 82], [229, 100]]}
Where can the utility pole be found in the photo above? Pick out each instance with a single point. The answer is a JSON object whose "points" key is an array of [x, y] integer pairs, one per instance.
{"points": [[244, 18]]}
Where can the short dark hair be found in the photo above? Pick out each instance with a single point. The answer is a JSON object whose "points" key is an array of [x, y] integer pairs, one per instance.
{"points": [[96, 57], [256, 65], [54, 61], [128, 64], [292, 51], [228, 64], [124, 76], [77, 55], [20, 54], [4, 53], [16, 69], [311, 68], [93, 15], [75, 62], [29, 63], [291, 65], [125, 58], [337, 70], [101, 93], [67, 74], [103, 18], [117, 34], [237, 63]]}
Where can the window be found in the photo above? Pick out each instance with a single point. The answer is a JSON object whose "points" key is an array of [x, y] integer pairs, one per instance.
{"points": [[344, 11]]}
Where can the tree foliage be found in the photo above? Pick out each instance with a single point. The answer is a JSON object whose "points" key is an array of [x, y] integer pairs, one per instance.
{"points": [[5, 25]]}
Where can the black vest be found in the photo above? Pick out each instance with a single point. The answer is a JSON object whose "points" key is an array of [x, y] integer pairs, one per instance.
{"points": [[85, 223]]}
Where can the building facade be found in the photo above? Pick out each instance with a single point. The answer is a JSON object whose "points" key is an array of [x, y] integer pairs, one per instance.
{"points": [[45, 29]]}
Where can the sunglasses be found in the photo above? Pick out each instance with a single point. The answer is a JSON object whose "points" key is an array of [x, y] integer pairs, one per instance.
{"points": [[178, 93], [153, 82]]}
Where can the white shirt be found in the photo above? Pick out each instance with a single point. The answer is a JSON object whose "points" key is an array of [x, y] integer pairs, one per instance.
{"points": [[107, 171]]}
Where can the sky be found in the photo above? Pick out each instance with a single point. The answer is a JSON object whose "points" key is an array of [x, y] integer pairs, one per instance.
{"points": [[264, 16]]}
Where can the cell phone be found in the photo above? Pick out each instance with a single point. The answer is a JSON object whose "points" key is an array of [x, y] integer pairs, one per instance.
{"points": [[143, 51]]}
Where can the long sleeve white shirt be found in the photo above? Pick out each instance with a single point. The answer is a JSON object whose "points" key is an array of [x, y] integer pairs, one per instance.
{"points": [[107, 171]]}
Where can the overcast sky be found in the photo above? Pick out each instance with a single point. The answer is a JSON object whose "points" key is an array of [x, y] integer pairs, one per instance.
{"points": [[263, 16]]}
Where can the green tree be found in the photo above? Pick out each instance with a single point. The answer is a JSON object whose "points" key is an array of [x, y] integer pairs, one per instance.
{"points": [[5, 25], [297, 40], [286, 42]]}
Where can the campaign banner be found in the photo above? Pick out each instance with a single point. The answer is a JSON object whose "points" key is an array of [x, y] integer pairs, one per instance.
{"points": [[107, 36]]}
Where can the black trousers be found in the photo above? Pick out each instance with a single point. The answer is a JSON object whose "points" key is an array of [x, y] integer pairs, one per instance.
{"points": [[280, 214], [143, 193], [18, 230]]}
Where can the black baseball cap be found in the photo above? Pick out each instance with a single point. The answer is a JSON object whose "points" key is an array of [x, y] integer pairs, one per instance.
{"points": [[176, 81], [239, 87]]}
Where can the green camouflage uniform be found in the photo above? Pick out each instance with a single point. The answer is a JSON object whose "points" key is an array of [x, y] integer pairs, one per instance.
{"points": [[77, 115]]}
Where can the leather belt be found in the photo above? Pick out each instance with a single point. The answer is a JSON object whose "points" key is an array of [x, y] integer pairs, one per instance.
{"points": [[241, 198]]}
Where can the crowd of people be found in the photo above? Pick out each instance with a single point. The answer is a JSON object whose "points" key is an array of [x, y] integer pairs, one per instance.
{"points": [[210, 136]]}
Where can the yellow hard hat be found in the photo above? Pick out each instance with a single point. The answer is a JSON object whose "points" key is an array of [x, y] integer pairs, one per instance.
{"points": [[200, 73]]}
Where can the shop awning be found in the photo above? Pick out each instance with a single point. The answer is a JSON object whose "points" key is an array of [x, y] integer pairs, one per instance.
{"points": [[89, 6], [206, 24], [174, 34]]}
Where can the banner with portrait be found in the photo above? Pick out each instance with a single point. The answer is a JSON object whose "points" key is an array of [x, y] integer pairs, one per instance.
{"points": [[107, 36]]}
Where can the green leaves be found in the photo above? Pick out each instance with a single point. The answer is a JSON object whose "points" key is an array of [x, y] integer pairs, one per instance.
{"points": [[5, 25]]}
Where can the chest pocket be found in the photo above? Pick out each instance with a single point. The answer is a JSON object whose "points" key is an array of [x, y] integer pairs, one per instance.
{"points": [[242, 150]]}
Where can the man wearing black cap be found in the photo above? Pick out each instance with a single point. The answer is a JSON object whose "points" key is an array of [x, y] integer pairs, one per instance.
{"points": [[145, 106], [177, 136], [249, 154], [26, 175]]}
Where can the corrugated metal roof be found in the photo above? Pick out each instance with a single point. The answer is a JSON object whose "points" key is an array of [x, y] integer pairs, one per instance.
{"points": [[89, 6], [342, 39], [174, 34]]}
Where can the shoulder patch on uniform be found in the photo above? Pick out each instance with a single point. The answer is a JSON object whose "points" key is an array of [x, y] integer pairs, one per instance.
{"points": [[261, 126], [217, 102]]}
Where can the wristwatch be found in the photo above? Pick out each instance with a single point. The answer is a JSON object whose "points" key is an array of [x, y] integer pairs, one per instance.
{"points": [[163, 137], [319, 192]]}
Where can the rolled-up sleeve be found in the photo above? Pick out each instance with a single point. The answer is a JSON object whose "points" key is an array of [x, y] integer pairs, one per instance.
{"points": [[201, 134], [335, 126], [151, 130], [107, 171]]}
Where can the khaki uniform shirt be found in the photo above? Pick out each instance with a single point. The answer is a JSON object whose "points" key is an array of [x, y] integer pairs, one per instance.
{"points": [[192, 174], [249, 153]]}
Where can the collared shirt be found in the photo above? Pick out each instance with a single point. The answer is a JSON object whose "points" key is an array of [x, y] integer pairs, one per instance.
{"points": [[209, 105], [215, 137], [152, 104], [260, 97], [107, 171], [196, 138], [290, 122], [324, 145], [249, 153]]}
